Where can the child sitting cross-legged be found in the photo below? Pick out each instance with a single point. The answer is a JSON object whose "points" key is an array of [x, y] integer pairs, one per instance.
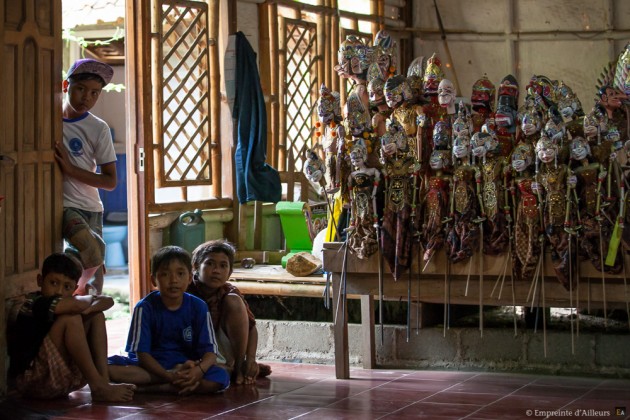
{"points": [[58, 342], [171, 343]]}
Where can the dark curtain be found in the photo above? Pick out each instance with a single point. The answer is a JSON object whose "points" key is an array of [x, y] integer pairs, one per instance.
{"points": [[255, 179]]}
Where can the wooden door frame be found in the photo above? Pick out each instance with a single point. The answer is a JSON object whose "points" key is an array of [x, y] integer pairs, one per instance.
{"points": [[138, 65]]}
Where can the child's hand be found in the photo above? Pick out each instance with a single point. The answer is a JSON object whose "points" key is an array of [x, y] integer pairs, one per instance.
{"points": [[188, 378], [62, 158]]}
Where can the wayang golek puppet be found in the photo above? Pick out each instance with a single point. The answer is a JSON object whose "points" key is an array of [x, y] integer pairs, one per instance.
{"points": [[362, 184], [436, 200], [553, 186], [493, 169], [400, 173], [527, 224], [462, 236]]}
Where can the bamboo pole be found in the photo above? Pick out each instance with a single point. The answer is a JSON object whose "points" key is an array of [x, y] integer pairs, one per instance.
{"points": [[327, 65], [265, 70], [275, 85], [279, 289], [215, 97], [334, 47], [321, 52], [282, 123], [233, 229]]}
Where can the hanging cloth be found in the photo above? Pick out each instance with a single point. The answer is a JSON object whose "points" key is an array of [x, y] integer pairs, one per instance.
{"points": [[255, 179]]}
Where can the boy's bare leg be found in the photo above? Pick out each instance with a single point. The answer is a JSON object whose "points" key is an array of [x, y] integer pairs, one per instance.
{"points": [[68, 335], [236, 327], [207, 387], [99, 280], [85, 278], [96, 332], [132, 375]]}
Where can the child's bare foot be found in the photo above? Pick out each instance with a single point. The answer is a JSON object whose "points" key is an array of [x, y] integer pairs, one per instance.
{"points": [[263, 370], [249, 372], [113, 392], [239, 379]]}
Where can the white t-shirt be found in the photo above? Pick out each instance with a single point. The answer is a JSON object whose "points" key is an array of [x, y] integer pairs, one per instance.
{"points": [[88, 140]]}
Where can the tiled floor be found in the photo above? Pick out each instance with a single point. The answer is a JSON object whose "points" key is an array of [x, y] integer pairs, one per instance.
{"points": [[311, 391]]}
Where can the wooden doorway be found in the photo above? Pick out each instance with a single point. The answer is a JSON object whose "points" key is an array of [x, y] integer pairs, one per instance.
{"points": [[30, 117]]}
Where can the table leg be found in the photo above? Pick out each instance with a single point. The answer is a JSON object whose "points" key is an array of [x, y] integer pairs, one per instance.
{"points": [[340, 317], [367, 328]]}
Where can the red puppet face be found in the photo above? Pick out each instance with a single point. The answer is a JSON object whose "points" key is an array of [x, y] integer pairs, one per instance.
{"points": [[482, 97]]}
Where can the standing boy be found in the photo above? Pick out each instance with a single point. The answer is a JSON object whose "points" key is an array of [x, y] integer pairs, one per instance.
{"points": [[234, 323], [171, 342], [58, 342], [87, 143]]}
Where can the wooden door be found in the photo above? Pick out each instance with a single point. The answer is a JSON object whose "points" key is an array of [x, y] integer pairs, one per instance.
{"points": [[30, 124], [173, 119]]}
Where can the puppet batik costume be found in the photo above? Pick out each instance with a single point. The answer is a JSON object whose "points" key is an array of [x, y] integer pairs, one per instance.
{"points": [[527, 224], [462, 238], [596, 229], [492, 167], [552, 179], [436, 204], [362, 184], [330, 134], [400, 171]]}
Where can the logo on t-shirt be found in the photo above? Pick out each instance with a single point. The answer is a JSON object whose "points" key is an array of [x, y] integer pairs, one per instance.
{"points": [[76, 146], [187, 333]]}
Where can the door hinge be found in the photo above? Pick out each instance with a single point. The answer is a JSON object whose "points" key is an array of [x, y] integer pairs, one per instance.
{"points": [[140, 159]]}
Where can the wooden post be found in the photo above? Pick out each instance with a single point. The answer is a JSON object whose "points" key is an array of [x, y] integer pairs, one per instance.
{"points": [[274, 51], [334, 47], [215, 97], [264, 58], [282, 123], [340, 316], [138, 32], [367, 326]]}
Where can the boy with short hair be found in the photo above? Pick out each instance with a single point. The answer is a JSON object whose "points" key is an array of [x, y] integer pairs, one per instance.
{"points": [[58, 342], [235, 325], [171, 343], [87, 143]]}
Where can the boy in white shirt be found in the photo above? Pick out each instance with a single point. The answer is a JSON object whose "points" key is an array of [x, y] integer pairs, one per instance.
{"points": [[87, 143]]}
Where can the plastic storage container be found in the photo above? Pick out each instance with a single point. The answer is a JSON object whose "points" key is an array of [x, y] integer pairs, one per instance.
{"points": [[295, 228], [188, 230]]}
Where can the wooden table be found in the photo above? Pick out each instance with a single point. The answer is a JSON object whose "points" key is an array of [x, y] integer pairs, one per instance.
{"points": [[432, 286], [275, 280]]}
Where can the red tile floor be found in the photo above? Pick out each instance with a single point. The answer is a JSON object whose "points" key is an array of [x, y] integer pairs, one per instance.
{"points": [[311, 391]]}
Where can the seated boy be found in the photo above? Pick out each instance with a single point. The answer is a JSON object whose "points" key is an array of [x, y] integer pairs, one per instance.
{"points": [[233, 322], [58, 342], [171, 342]]}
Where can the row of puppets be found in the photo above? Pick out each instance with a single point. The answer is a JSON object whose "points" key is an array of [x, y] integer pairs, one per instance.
{"points": [[417, 173]]}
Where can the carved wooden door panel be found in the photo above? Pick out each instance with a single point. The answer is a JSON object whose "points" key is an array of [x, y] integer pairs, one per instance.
{"points": [[30, 124]]}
